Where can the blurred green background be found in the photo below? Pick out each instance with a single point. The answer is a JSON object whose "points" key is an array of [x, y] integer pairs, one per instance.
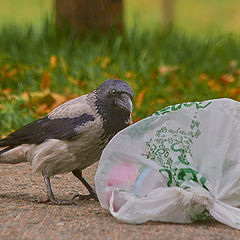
{"points": [[191, 16], [195, 59]]}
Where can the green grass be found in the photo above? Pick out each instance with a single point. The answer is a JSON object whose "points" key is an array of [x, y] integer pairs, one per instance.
{"points": [[163, 68]]}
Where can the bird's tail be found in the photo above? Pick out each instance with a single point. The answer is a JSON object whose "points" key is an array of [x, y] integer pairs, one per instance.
{"points": [[12, 155]]}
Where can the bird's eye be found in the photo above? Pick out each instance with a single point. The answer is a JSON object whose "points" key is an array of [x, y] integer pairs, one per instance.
{"points": [[113, 91]]}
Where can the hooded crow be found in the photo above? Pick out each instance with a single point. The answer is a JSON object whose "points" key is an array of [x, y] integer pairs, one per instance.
{"points": [[72, 136]]}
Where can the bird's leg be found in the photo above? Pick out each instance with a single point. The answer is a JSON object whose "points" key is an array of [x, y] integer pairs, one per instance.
{"points": [[51, 197], [92, 194]]}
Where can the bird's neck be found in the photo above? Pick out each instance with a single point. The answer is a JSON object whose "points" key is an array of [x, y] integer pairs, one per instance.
{"points": [[114, 120]]}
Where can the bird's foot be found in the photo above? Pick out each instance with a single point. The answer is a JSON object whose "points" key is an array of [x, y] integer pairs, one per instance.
{"points": [[91, 195], [57, 202]]}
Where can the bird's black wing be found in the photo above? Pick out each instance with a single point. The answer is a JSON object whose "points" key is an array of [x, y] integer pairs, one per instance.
{"points": [[46, 128]]}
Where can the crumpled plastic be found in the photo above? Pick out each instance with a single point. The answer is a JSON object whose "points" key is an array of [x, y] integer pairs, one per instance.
{"points": [[178, 165]]}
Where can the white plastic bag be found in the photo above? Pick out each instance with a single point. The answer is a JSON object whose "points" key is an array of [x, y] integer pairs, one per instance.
{"points": [[175, 166]]}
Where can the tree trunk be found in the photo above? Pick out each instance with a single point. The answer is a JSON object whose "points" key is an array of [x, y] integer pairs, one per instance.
{"points": [[168, 7], [90, 15]]}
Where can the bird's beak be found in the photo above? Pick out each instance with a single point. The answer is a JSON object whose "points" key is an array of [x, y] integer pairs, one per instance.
{"points": [[124, 102]]}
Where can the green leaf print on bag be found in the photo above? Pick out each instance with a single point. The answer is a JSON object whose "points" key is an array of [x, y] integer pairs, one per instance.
{"points": [[171, 149], [176, 107], [182, 157]]}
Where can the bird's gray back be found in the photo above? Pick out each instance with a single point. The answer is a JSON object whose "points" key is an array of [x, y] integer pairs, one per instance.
{"points": [[74, 108]]}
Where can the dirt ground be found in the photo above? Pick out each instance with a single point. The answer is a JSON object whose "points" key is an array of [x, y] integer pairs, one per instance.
{"points": [[21, 217]]}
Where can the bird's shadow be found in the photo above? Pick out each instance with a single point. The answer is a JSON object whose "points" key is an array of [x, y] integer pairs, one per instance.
{"points": [[26, 199], [207, 224]]}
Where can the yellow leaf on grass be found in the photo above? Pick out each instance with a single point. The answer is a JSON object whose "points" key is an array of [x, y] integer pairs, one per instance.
{"points": [[139, 98], [237, 73], [98, 59], [167, 69], [4, 69], [50, 102], [161, 100], [59, 99], [72, 80], [7, 91], [234, 92], [25, 95], [109, 75], [213, 85], [3, 136], [44, 101], [233, 64], [130, 75], [227, 78], [46, 80], [203, 77], [163, 70], [11, 73], [105, 62], [53, 61], [43, 110]]}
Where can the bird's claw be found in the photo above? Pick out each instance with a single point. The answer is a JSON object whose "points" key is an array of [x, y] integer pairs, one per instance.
{"points": [[92, 195]]}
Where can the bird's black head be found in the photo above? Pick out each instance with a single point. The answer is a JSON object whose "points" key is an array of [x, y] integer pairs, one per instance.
{"points": [[114, 103], [116, 95]]}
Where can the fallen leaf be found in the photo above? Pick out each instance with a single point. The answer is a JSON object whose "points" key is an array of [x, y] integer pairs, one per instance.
{"points": [[46, 80], [237, 73], [72, 80], [80, 83], [22, 106], [174, 84], [53, 61], [4, 69], [105, 62], [167, 69], [59, 99], [227, 78], [25, 95], [69, 94], [98, 59], [234, 92], [233, 64], [203, 77], [213, 85], [163, 70], [109, 75], [43, 110], [7, 91], [130, 75], [139, 98], [4, 136], [11, 73], [136, 120], [161, 100]]}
